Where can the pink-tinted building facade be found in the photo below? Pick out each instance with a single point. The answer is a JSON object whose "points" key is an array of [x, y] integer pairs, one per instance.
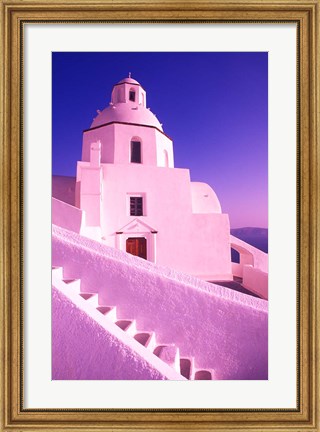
{"points": [[135, 200]]}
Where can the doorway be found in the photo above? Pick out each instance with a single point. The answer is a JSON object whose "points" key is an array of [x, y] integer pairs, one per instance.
{"points": [[137, 246]]}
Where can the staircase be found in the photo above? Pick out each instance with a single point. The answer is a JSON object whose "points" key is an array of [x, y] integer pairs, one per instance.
{"points": [[167, 353]]}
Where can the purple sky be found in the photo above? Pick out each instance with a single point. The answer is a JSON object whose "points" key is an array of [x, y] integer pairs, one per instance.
{"points": [[213, 105]]}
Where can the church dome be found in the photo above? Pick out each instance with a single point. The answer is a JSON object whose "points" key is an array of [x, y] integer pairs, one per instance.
{"points": [[128, 105], [129, 81], [124, 113], [204, 198]]}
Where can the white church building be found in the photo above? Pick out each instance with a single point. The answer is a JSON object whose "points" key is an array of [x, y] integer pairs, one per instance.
{"points": [[137, 201]]}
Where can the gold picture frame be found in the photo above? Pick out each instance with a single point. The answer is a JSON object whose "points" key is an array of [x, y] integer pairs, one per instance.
{"points": [[13, 416]]}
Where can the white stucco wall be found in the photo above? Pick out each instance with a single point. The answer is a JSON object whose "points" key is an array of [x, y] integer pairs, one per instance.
{"points": [[223, 329]]}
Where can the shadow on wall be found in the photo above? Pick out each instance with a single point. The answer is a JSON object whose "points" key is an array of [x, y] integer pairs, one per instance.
{"points": [[235, 256], [63, 189]]}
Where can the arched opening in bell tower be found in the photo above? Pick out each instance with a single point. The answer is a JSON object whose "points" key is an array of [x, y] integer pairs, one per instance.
{"points": [[132, 95]]}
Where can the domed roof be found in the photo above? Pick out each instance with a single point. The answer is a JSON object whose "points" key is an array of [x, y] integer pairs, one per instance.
{"points": [[123, 110], [126, 113], [128, 80], [204, 198]]}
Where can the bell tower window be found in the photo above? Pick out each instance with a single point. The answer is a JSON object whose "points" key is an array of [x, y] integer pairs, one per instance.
{"points": [[135, 152], [132, 95]]}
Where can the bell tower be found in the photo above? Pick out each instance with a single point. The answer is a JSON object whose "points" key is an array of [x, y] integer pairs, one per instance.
{"points": [[128, 131], [128, 91]]}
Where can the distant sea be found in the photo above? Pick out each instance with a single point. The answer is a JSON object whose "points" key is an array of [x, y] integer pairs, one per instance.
{"points": [[257, 237]]}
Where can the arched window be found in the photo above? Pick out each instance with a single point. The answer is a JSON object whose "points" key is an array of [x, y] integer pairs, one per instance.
{"points": [[132, 95], [135, 151]]}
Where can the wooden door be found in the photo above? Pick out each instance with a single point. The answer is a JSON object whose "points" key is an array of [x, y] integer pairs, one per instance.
{"points": [[137, 246]]}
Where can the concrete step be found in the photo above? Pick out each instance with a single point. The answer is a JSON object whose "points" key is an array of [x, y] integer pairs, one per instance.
{"points": [[187, 367], [91, 298], [72, 284], [169, 354], [147, 339], [109, 311], [57, 271], [203, 374], [127, 325]]}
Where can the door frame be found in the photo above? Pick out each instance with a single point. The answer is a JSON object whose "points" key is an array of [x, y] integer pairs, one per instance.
{"points": [[138, 238], [151, 238]]}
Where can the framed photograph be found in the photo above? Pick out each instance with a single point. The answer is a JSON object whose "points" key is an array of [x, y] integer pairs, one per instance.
{"points": [[160, 193], [138, 198]]}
